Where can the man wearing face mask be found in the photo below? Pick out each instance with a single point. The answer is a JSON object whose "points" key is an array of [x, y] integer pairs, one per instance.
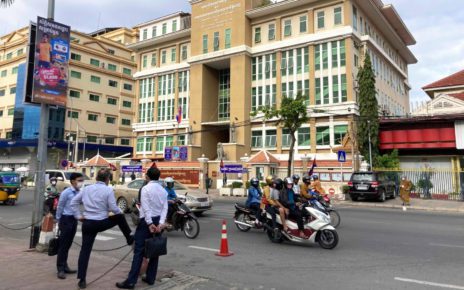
{"points": [[51, 194], [67, 224]]}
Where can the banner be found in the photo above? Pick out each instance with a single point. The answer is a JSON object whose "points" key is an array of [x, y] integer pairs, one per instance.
{"points": [[51, 63]]}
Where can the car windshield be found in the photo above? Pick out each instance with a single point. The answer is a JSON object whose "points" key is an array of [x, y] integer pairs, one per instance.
{"points": [[68, 175], [363, 177], [9, 179]]}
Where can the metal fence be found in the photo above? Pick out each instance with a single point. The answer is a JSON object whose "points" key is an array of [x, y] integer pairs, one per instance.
{"points": [[442, 184]]}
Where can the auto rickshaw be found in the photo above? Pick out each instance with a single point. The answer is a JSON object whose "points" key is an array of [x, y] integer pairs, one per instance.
{"points": [[10, 185]]}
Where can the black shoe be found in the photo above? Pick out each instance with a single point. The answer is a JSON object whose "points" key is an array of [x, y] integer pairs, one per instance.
{"points": [[144, 279], [82, 284], [67, 270], [124, 285], [61, 275], [130, 240]]}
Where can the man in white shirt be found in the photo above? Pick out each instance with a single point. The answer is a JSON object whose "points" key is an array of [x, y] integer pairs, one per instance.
{"points": [[153, 210]]}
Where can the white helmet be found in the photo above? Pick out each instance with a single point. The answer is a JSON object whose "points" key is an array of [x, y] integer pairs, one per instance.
{"points": [[169, 182]]}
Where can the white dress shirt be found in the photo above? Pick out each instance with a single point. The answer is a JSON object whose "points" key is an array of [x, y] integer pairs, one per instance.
{"points": [[98, 200], [154, 202]]}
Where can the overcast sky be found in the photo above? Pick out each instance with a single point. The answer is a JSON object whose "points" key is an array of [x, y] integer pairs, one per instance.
{"points": [[437, 26]]}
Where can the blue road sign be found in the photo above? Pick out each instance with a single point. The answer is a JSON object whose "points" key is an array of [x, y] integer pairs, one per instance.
{"points": [[232, 168], [131, 168], [341, 156]]}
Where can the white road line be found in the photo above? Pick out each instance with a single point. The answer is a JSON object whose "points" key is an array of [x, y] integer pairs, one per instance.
{"points": [[111, 232], [204, 249], [99, 237], [446, 245], [16, 224], [448, 286]]}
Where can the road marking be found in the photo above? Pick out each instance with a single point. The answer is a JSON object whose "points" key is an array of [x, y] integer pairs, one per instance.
{"points": [[446, 245], [16, 224], [111, 232], [204, 249], [449, 286], [99, 237]]}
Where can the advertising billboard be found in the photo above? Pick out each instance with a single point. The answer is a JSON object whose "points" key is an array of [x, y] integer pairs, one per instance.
{"points": [[52, 50]]}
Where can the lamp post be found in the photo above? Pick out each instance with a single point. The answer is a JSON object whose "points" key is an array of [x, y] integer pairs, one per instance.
{"points": [[370, 144]]}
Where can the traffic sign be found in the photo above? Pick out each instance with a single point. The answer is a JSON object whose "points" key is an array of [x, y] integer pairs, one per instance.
{"points": [[341, 156], [331, 191], [131, 168], [232, 168]]}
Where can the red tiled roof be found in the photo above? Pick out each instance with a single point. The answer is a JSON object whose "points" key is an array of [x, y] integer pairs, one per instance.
{"points": [[263, 157], [98, 161], [455, 79], [459, 96]]}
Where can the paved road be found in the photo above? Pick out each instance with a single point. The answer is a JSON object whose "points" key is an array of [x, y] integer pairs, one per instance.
{"points": [[379, 249]]}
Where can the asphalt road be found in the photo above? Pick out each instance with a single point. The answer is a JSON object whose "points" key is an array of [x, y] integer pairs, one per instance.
{"points": [[378, 249]]}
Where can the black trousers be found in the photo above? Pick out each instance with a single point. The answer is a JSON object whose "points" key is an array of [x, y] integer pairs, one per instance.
{"points": [[273, 212], [68, 227], [90, 229], [141, 234], [256, 210], [295, 213]]}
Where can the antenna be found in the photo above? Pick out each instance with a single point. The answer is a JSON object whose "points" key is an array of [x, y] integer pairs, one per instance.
{"points": [[98, 22]]}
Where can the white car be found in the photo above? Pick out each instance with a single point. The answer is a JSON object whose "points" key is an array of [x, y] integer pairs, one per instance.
{"points": [[196, 200], [63, 177]]}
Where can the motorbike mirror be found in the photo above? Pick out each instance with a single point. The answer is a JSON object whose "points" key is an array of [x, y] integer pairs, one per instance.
{"points": [[186, 193]]}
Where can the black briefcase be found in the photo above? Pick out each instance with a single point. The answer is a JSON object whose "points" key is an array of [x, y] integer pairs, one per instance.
{"points": [[53, 246], [156, 246]]}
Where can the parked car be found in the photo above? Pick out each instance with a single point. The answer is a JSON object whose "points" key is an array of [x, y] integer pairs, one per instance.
{"points": [[63, 178], [373, 185], [196, 200]]}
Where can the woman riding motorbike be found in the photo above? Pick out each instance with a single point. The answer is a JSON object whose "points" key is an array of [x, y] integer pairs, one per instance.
{"points": [[291, 204]]}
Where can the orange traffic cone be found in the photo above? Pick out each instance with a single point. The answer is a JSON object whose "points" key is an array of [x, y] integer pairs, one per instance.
{"points": [[224, 251]]}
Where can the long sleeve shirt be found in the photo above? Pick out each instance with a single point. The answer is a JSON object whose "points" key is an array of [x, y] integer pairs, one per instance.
{"points": [[98, 200], [171, 193], [64, 203], [154, 202], [254, 196]]}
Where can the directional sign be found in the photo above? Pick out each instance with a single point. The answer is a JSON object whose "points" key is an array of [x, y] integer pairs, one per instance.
{"points": [[232, 168], [131, 168], [341, 156]]}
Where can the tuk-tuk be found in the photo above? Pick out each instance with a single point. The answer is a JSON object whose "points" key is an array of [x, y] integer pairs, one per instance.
{"points": [[10, 185]]}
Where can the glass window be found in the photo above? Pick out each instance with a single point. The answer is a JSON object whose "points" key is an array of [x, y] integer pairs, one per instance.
{"points": [[153, 31], [109, 140], [9, 55], [303, 24], [335, 89], [224, 95], [125, 142], [256, 139], [125, 122], [10, 111], [271, 138], [9, 135], [144, 61], [73, 114], [160, 143], [271, 32], [325, 56], [320, 19], [165, 28], [163, 56], [153, 60], [112, 101], [1, 113], [184, 52], [182, 140], [216, 41], [355, 18], [94, 62], [205, 43], [343, 82], [75, 56], [257, 34], [169, 141], [286, 138], [14, 70], [127, 104], [339, 133], [288, 27], [112, 67], [338, 15], [3, 73], [2, 93], [342, 53], [91, 139], [110, 120], [127, 71], [19, 52], [174, 25], [128, 87], [144, 34], [95, 79], [74, 94], [325, 88], [92, 117], [112, 83], [322, 136], [304, 137], [12, 90], [173, 55], [94, 98]]}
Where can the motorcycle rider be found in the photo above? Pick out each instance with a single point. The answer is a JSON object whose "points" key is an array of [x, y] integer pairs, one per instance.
{"points": [[51, 194], [267, 203], [305, 187], [254, 198], [276, 192], [296, 186], [291, 204], [172, 196], [317, 186]]}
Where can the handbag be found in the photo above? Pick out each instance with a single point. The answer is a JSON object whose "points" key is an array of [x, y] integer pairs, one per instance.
{"points": [[156, 246], [54, 244]]}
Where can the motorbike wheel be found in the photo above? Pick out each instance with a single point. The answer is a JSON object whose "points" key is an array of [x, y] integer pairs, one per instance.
{"points": [[275, 238], [334, 218], [241, 217], [191, 228], [327, 239]]}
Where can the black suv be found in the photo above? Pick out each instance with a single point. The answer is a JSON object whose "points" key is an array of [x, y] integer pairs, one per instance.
{"points": [[376, 185]]}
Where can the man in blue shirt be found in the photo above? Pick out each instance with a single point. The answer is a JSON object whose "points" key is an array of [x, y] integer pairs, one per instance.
{"points": [[98, 200], [67, 224], [254, 198], [169, 181]]}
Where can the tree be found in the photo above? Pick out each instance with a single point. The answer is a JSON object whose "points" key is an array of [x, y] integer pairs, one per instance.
{"points": [[390, 161], [291, 116], [368, 110], [6, 3]]}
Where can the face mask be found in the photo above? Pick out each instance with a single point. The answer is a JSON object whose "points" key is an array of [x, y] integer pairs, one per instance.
{"points": [[54, 183], [79, 185]]}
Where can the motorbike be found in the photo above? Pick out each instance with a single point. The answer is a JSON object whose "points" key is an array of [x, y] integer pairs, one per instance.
{"points": [[182, 218], [51, 203], [245, 220], [10, 185], [317, 228], [323, 203]]}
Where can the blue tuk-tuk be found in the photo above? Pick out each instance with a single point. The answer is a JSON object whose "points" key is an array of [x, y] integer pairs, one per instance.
{"points": [[10, 185]]}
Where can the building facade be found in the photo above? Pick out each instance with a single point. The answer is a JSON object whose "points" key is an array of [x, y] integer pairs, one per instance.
{"points": [[228, 59]]}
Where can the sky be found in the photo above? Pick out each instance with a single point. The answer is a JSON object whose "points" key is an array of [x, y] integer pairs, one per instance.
{"points": [[437, 25]]}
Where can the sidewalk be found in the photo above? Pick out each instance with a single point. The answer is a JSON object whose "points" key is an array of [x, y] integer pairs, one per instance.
{"points": [[27, 269]]}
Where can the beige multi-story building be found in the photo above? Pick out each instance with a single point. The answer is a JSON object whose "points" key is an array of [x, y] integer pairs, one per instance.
{"points": [[101, 97], [229, 58]]}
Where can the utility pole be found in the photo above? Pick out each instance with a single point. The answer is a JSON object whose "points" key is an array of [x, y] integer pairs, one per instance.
{"points": [[41, 160], [370, 145]]}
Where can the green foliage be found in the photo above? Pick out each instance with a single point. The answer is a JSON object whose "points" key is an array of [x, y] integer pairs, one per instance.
{"points": [[265, 3], [388, 160], [237, 184], [368, 110], [424, 183], [345, 189]]}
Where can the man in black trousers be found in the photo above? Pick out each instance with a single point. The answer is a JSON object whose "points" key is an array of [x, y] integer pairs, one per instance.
{"points": [[98, 200]]}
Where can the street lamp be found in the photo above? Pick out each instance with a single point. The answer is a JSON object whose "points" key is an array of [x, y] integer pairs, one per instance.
{"points": [[370, 144]]}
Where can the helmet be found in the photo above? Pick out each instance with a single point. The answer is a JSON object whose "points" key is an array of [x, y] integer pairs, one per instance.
{"points": [[169, 182], [306, 179], [288, 181], [278, 183], [254, 182], [53, 179], [295, 177], [315, 177], [269, 179]]}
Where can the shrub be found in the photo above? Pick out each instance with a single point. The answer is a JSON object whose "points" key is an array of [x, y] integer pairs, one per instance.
{"points": [[345, 189], [237, 184]]}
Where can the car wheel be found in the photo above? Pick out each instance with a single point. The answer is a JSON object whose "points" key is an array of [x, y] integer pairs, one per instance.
{"points": [[198, 213], [123, 205], [382, 197]]}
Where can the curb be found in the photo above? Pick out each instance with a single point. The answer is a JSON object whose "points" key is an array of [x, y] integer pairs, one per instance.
{"points": [[394, 206]]}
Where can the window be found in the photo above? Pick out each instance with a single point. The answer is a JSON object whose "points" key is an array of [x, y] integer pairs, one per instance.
{"points": [[2, 93], [320, 19], [73, 114], [125, 142], [94, 62], [322, 136], [338, 15], [144, 34], [3, 73], [76, 74], [153, 31], [127, 104], [109, 140], [216, 41], [181, 140], [9, 55], [112, 67], [160, 143], [174, 25], [343, 81], [14, 70], [256, 139], [10, 111], [125, 122], [1, 113], [110, 120], [224, 95], [355, 18], [12, 90], [95, 79], [9, 135], [339, 133], [304, 137], [271, 139], [173, 55], [112, 101], [163, 57], [257, 34], [74, 94], [286, 138], [184, 53], [127, 71], [169, 141], [112, 83], [271, 32], [91, 139], [92, 117], [288, 27], [165, 28], [205, 43], [75, 56], [19, 52], [94, 98], [228, 37], [128, 87], [144, 61], [303, 24]]}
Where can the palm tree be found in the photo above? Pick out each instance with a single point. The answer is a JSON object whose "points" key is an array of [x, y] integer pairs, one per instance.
{"points": [[6, 3]]}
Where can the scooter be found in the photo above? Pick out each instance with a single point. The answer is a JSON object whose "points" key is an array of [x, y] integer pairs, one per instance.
{"points": [[245, 220], [316, 227], [323, 203]]}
